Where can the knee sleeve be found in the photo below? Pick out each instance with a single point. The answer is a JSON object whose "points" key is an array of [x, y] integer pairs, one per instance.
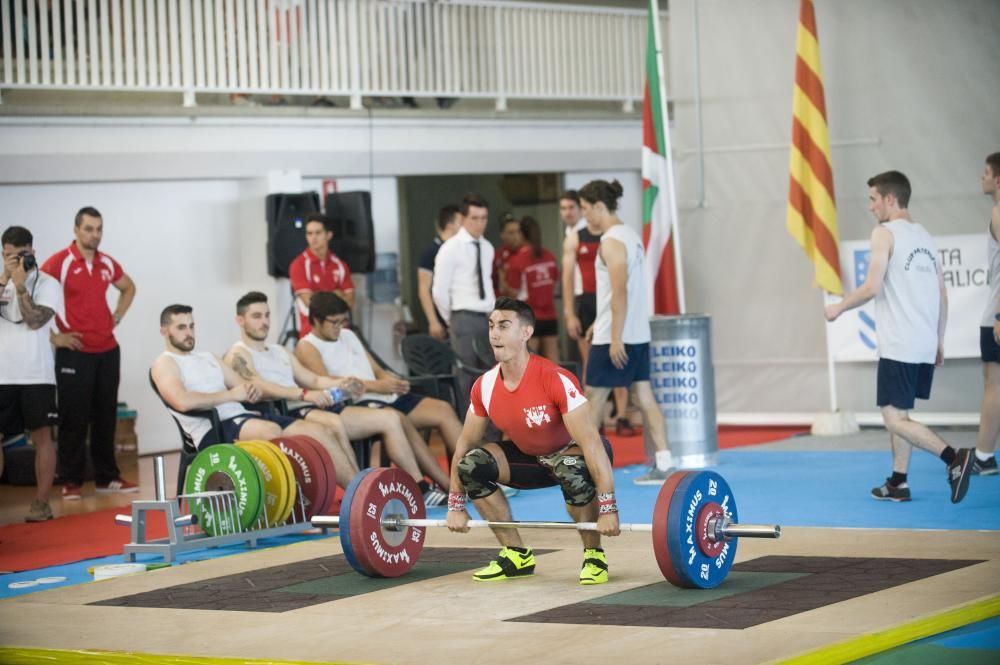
{"points": [[478, 472], [577, 486]]}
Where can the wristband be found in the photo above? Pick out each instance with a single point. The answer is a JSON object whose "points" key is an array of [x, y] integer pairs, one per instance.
{"points": [[606, 503], [456, 502]]}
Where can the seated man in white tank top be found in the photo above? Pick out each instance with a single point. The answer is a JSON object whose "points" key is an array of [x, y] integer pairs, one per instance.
{"points": [[189, 380], [280, 375], [330, 350]]}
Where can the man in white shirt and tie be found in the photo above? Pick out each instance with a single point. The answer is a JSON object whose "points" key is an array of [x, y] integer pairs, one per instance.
{"points": [[463, 286]]}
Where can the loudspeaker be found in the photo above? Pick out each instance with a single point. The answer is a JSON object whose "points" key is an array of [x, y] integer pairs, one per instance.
{"points": [[349, 215], [286, 235]]}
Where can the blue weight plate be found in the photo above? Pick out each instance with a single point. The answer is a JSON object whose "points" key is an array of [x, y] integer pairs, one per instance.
{"points": [[694, 568], [345, 520]]}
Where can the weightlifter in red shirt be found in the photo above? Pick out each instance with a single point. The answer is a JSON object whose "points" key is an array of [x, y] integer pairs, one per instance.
{"points": [[553, 442]]}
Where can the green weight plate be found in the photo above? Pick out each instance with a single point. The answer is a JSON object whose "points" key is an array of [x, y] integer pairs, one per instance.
{"points": [[224, 467]]}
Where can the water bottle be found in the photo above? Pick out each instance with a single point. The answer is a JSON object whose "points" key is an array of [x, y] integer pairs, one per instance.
{"points": [[336, 394]]}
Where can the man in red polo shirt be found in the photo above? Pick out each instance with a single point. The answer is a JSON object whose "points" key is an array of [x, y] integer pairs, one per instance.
{"points": [[318, 269], [88, 359]]}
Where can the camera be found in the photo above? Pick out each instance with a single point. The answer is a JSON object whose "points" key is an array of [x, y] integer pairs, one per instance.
{"points": [[28, 261]]}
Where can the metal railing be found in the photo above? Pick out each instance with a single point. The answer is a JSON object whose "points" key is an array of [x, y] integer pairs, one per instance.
{"points": [[420, 48]]}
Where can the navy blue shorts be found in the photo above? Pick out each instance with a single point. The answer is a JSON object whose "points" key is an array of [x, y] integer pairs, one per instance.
{"points": [[601, 372], [900, 384], [989, 350], [404, 403], [302, 411], [231, 428]]}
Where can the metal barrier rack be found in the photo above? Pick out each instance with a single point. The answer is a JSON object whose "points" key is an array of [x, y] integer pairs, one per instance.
{"points": [[183, 532]]}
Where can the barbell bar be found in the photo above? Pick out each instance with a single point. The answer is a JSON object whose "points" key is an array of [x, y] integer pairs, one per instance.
{"points": [[695, 526], [719, 529]]}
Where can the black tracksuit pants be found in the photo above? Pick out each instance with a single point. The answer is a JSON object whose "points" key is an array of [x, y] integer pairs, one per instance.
{"points": [[87, 385]]}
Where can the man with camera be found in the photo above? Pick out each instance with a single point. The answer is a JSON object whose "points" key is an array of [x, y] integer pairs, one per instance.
{"points": [[28, 301]]}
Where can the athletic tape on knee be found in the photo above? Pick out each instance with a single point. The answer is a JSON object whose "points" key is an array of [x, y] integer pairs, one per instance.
{"points": [[478, 472]]}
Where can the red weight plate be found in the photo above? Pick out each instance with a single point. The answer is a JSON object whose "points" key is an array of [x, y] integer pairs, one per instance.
{"points": [[310, 473], [709, 548], [661, 535], [384, 493], [331, 472]]}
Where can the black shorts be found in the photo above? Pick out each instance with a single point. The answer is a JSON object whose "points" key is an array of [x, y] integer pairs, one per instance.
{"points": [[900, 384], [231, 428], [586, 309], [547, 328], [404, 403], [989, 350], [528, 473], [602, 373], [27, 407]]}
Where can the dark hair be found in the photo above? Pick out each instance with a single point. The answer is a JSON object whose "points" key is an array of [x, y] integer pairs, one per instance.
{"points": [[251, 298], [606, 192], [892, 182], [17, 236], [507, 218], [570, 195], [171, 310], [316, 217], [472, 199], [324, 304], [446, 214], [519, 307], [532, 233], [89, 211], [994, 162]]}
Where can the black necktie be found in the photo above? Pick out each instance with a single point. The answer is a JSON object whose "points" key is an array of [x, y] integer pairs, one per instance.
{"points": [[479, 270]]}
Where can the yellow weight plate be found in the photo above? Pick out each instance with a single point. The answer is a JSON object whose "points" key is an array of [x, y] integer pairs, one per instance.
{"points": [[288, 484], [292, 496], [268, 448], [275, 484]]}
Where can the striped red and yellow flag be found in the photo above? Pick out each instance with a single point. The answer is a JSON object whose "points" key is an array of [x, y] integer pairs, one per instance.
{"points": [[812, 211]]}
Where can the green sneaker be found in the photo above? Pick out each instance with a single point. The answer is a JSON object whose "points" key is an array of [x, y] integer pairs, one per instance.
{"points": [[595, 566], [509, 563]]}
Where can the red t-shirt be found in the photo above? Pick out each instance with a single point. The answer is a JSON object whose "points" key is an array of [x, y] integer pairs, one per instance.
{"points": [[531, 414], [534, 279], [85, 296], [309, 274], [500, 259]]}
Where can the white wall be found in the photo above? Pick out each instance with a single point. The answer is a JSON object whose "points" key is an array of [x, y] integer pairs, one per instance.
{"points": [[910, 85], [182, 242]]}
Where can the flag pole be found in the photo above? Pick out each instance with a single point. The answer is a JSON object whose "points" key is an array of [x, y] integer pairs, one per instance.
{"points": [[675, 235], [831, 370]]}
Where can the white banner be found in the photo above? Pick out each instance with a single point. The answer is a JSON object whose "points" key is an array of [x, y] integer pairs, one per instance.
{"points": [[962, 258]]}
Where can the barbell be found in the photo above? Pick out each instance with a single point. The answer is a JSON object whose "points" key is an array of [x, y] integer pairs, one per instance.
{"points": [[383, 521]]}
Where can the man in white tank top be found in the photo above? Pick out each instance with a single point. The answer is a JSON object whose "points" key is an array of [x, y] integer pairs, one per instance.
{"points": [[334, 351], [911, 312], [619, 354], [989, 331], [190, 380], [280, 375]]}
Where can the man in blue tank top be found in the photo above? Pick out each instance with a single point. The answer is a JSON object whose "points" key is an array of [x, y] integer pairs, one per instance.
{"points": [[911, 312]]}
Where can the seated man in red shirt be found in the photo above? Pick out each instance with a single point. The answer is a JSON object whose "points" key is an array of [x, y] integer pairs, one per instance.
{"points": [[318, 269], [553, 442]]}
